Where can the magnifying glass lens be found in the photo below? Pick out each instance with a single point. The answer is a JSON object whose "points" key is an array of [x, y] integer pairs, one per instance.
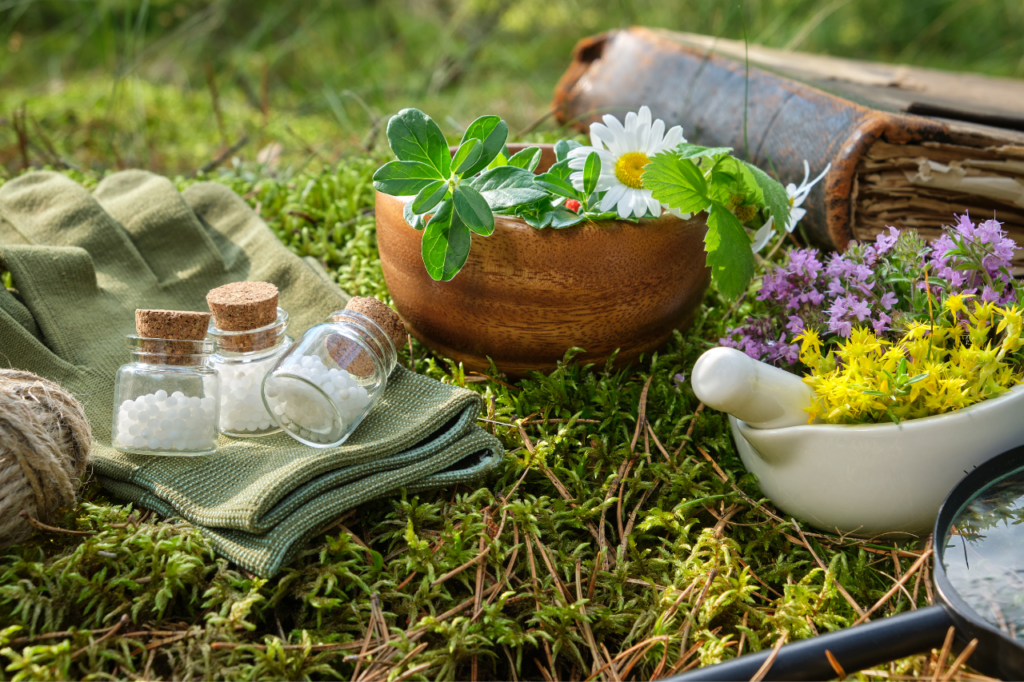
{"points": [[984, 554]]}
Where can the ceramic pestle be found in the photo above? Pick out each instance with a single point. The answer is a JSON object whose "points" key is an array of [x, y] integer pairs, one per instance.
{"points": [[763, 396]]}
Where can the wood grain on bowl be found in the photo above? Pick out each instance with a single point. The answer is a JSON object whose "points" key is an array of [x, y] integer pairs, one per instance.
{"points": [[526, 296]]}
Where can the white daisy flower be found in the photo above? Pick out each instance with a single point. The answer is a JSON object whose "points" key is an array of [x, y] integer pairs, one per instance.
{"points": [[797, 197], [625, 150]]}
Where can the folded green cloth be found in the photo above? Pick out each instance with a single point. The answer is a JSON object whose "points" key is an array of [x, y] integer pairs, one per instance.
{"points": [[81, 264]]}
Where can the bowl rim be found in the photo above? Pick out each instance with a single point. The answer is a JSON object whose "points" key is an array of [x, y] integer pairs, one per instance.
{"points": [[1014, 392]]}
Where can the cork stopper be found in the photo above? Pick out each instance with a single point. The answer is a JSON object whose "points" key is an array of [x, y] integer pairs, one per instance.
{"points": [[239, 307], [170, 335], [352, 358], [387, 318]]}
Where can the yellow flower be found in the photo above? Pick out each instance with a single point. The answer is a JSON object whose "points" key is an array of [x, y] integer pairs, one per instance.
{"points": [[955, 303]]}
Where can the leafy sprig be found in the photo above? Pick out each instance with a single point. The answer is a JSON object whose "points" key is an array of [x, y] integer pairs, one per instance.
{"points": [[735, 194], [454, 197]]}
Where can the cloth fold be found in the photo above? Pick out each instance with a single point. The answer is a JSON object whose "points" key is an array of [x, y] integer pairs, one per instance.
{"points": [[82, 263]]}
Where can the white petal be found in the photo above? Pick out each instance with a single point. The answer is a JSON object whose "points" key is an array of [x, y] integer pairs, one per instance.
{"points": [[795, 215], [630, 121], [625, 207], [600, 136], [612, 198], [644, 115], [576, 179], [807, 173], [791, 190], [653, 205], [816, 180], [677, 213], [673, 138], [580, 152], [762, 236], [643, 129], [657, 135], [617, 143]]}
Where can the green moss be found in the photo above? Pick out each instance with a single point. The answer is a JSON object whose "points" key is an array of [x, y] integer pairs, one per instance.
{"points": [[204, 618]]}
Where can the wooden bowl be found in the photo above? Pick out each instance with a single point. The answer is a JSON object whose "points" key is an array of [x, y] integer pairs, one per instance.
{"points": [[526, 296]]}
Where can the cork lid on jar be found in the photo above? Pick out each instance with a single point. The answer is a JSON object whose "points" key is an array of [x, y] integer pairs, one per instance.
{"points": [[384, 316], [243, 307], [347, 354], [170, 335]]}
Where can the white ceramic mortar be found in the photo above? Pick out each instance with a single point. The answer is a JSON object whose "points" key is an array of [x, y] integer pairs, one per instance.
{"points": [[868, 479]]}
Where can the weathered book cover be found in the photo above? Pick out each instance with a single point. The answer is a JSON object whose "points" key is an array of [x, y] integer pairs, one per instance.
{"points": [[908, 146]]}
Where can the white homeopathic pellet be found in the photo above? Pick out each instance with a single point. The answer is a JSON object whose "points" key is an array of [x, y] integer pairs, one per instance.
{"points": [[304, 410], [161, 422], [241, 404]]}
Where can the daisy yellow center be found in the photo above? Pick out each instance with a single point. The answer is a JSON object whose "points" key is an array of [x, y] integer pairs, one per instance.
{"points": [[630, 167]]}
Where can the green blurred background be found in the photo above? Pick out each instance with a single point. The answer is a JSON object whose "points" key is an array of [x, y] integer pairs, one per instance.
{"points": [[172, 85]]}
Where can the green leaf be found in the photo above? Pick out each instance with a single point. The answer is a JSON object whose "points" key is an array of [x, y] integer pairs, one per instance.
{"points": [[528, 158], [492, 133], [695, 151], [563, 147], [473, 210], [414, 136], [591, 173], [560, 170], [775, 197], [507, 186], [415, 221], [429, 197], [538, 219], [499, 160], [446, 243], [467, 156], [751, 190], [677, 182], [563, 217], [729, 254], [875, 393], [557, 185], [403, 178]]}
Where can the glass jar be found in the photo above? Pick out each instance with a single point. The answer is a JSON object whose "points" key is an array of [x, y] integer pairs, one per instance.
{"points": [[325, 384], [166, 399], [242, 358]]}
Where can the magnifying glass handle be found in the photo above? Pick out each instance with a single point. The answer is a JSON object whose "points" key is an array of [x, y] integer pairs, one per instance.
{"points": [[854, 648]]}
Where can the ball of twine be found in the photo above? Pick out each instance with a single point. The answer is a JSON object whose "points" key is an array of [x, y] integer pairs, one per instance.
{"points": [[44, 447]]}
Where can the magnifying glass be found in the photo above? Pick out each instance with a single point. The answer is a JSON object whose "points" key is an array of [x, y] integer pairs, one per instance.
{"points": [[979, 577]]}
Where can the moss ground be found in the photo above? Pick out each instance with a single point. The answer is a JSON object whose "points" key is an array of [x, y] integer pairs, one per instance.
{"points": [[613, 549], [648, 546]]}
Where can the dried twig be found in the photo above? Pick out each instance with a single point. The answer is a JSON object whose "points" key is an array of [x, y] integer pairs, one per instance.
{"points": [[689, 430], [821, 564], [455, 571], [718, 469], [224, 156], [834, 662], [894, 588], [39, 525], [767, 665], [696, 606], [946, 645], [641, 414], [110, 633], [960, 660]]}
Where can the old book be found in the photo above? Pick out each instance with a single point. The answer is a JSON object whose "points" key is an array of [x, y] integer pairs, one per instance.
{"points": [[909, 147]]}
